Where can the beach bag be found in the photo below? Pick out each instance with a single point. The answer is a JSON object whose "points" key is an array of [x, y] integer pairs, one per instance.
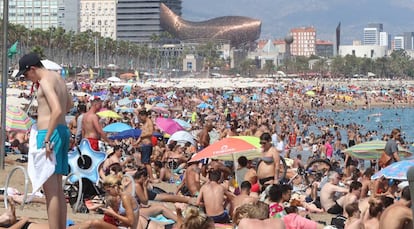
{"points": [[338, 221], [384, 160]]}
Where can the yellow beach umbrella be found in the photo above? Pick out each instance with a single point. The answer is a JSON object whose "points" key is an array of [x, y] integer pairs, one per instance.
{"points": [[108, 114]]}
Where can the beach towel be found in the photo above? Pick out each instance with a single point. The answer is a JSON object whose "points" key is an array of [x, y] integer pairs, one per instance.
{"points": [[39, 167]]}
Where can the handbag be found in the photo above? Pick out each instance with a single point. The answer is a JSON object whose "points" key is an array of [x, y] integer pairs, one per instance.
{"points": [[385, 160]]}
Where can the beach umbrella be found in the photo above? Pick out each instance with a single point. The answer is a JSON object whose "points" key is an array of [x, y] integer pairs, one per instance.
{"points": [[113, 79], [204, 106], [127, 75], [396, 171], [163, 105], [182, 123], [50, 65], [17, 119], [168, 125], [230, 148], [108, 114], [160, 110], [117, 127], [124, 101], [124, 109], [372, 150], [182, 137], [310, 93], [131, 133]]}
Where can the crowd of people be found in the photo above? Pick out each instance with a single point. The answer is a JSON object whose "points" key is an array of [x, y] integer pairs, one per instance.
{"points": [[212, 193]]}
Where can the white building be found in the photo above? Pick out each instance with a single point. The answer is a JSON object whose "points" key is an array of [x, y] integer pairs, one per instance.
{"points": [[372, 34], [398, 43], [368, 51], [99, 16], [385, 39]]}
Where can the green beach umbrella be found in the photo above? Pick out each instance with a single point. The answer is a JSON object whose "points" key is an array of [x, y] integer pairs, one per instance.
{"points": [[372, 150]]}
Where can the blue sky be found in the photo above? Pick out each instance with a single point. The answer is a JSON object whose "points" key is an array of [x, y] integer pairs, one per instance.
{"points": [[278, 16]]}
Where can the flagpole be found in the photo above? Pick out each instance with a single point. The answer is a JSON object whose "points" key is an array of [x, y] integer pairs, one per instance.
{"points": [[4, 83]]}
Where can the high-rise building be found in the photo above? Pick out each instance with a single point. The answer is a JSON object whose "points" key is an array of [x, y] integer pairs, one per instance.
{"points": [[385, 39], [372, 34], [98, 16], [33, 14], [304, 40], [139, 20], [409, 40], [69, 15], [398, 42]]}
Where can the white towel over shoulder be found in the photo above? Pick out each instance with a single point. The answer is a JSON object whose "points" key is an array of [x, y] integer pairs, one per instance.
{"points": [[39, 167]]}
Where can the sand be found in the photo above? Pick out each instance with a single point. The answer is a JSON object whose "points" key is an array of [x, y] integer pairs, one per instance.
{"points": [[37, 212]]}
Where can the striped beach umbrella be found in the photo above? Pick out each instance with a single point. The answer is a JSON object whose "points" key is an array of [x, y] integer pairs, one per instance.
{"points": [[17, 119], [372, 150]]}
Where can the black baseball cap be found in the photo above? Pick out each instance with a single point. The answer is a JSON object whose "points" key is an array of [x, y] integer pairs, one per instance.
{"points": [[26, 62]]}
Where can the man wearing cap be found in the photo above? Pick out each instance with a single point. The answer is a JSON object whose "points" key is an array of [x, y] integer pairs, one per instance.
{"points": [[54, 102], [91, 129]]}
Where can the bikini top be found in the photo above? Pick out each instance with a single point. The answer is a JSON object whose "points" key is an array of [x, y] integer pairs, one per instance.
{"points": [[268, 160], [122, 210]]}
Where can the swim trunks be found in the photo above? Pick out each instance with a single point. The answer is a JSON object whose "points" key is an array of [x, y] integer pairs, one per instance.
{"points": [[146, 152], [94, 143], [222, 218], [60, 139], [336, 209]]}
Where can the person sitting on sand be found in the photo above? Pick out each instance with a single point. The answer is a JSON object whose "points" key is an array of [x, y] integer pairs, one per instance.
{"points": [[243, 198], [353, 195], [128, 210], [212, 196], [328, 192], [190, 185], [354, 216], [399, 214], [255, 216]]}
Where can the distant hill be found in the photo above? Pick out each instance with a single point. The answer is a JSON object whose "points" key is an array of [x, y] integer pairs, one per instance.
{"points": [[278, 16]]}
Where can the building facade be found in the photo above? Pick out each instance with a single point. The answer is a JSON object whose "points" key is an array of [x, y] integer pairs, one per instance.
{"points": [[139, 20], [363, 51], [40, 14], [98, 16], [398, 43], [69, 15], [409, 40], [304, 40], [385, 39], [324, 48], [372, 34]]}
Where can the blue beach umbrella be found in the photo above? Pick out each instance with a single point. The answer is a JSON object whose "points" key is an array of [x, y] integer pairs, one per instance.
{"points": [[132, 133], [182, 123], [116, 127]]}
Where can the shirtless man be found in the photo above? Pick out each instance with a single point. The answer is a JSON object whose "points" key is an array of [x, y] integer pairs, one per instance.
{"points": [[366, 182], [144, 141], [91, 129], [328, 191], [353, 195], [191, 182], [243, 198], [399, 214], [54, 102], [212, 195]]}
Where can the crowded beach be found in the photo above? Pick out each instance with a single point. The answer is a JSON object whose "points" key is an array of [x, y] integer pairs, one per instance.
{"points": [[225, 152]]}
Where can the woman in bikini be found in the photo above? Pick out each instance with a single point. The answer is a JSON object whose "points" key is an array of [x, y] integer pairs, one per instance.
{"points": [[127, 213], [269, 164]]}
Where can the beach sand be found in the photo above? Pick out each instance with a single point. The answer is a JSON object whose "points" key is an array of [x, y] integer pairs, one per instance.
{"points": [[37, 212]]}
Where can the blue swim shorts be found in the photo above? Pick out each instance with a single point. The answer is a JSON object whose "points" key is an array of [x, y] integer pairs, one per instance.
{"points": [[60, 139]]}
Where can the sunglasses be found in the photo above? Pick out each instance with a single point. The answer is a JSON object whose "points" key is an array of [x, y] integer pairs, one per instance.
{"points": [[263, 142]]}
